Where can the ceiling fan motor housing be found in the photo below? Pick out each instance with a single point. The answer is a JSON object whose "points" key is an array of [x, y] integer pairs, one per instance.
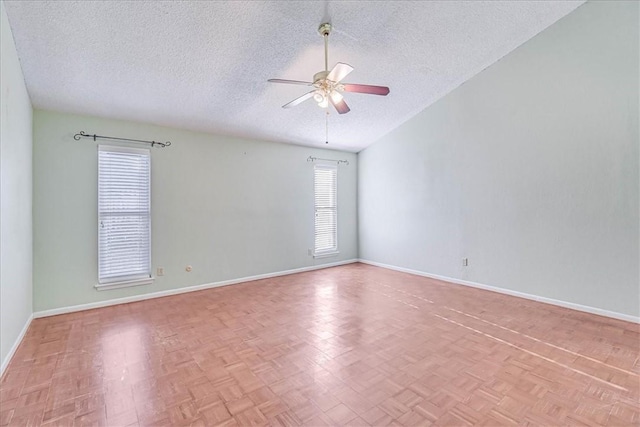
{"points": [[318, 77]]}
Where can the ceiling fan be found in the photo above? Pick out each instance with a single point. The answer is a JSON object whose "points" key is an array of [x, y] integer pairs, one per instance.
{"points": [[328, 84]]}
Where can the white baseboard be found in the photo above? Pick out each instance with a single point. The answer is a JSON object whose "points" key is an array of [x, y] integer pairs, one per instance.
{"points": [[9, 355], [579, 307], [159, 294]]}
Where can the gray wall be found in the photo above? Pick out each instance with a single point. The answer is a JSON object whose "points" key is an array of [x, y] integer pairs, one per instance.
{"points": [[15, 196], [530, 170], [229, 207]]}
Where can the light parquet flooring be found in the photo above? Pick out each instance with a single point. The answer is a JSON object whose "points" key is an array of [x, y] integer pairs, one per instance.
{"points": [[351, 345]]}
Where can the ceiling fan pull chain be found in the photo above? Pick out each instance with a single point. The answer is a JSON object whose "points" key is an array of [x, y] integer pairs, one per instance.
{"points": [[326, 128]]}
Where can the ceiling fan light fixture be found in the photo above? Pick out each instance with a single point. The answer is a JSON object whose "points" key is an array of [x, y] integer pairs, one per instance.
{"points": [[319, 97], [324, 103]]}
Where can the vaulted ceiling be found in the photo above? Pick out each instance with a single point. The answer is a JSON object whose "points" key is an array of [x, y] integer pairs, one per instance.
{"points": [[204, 66]]}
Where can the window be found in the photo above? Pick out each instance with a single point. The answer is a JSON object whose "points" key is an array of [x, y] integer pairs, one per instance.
{"points": [[124, 217], [326, 209]]}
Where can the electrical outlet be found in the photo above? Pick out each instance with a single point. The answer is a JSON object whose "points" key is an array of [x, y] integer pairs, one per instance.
{"points": [[188, 269], [160, 271], [465, 262]]}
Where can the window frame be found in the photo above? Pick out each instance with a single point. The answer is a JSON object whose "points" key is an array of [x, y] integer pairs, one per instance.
{"points": [[335, 249], [131, 279]]}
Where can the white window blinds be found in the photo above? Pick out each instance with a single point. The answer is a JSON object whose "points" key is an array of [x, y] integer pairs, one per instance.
{"points": [[124, 214], [326, 208]]}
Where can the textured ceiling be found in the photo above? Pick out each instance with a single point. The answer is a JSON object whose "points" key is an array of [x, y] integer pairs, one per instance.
{"points": [[204, 65]]}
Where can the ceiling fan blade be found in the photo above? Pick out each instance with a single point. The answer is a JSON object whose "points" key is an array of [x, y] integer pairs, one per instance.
{"points": [[290, 82], [339, 72], [338, 102], [299, 100], [372, 90]]}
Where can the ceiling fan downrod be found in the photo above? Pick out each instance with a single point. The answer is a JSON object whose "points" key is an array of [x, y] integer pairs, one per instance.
{"points": [[325, 30]]}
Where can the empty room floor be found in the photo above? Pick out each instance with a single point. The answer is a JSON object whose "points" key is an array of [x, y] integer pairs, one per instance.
{"points": [[351, 345]]}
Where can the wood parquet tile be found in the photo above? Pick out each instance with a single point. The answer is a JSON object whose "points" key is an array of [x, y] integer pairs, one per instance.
{"points": [[352, 345]]}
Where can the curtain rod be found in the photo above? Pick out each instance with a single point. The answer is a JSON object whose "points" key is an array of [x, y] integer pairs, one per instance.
{"points": [[313, 159], [77, 137]]}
